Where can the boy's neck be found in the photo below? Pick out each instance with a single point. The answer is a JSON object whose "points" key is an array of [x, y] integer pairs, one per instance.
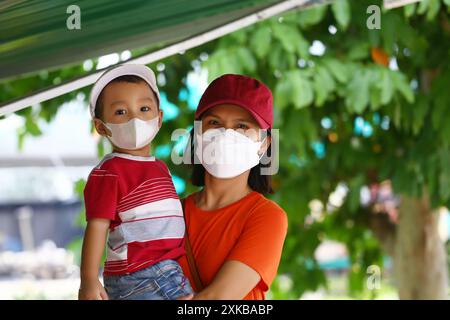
{"points": [[143, 152]]}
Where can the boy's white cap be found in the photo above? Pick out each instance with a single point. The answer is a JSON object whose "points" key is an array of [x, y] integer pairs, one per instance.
{"points": [[139, 70]]}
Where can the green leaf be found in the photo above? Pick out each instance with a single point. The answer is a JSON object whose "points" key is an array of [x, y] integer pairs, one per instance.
{"points": [[312, 16], [419, 113], [32, 127], [283, 92], [240, 36], [403, 86], [320, 94], [375, 89], [302, 47], [79, 187], [323, 85], [221, 62], [355, 282], [226, 61], [260, 42], [375, 98], [337, 69], [341, 11], [276, 57], [359, 50], [302, 91], [358, 92], [433, 9], [423, 6], [409, 9], [408, 36], [246, 59], [290, 38], [21, 135], [386, 86]]}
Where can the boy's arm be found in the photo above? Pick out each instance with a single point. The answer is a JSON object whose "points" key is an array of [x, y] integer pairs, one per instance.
{"points": [[93, 247]]}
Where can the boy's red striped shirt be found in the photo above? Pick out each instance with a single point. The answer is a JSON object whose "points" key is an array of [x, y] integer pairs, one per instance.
{"points": [[138, 196]]}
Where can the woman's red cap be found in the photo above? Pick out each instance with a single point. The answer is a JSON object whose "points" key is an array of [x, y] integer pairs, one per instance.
{"points": [[240, 90]]}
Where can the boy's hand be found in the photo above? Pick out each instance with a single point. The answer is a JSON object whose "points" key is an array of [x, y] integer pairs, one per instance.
{"points": [[188, 297], [92, 290]]}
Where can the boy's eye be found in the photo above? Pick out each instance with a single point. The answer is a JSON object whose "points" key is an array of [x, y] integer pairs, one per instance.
{"points": [[213, 122], [120, 112], [145, 108]]}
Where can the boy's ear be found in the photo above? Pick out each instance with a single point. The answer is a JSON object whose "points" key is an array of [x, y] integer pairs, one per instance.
{"points": [[100, 128], [160, 115]]}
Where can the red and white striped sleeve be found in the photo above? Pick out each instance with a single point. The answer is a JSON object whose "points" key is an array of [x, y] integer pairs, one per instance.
{"points": [[101, 195]]}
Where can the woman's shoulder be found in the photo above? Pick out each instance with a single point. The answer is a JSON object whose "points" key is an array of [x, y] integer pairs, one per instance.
{"points": [[189, 197], [268, 209], [187, 201], [267, 204]]}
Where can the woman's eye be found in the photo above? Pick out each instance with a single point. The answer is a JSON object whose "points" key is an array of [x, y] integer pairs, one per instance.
{"points": [[120, 112], [145, 109]]}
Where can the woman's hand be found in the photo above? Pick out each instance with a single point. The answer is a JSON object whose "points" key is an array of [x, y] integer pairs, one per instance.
{"points": [[92, 290]]}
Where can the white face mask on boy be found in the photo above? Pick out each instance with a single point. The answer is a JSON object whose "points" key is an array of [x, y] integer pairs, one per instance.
{"points": [[227, 153], [133, 134]]}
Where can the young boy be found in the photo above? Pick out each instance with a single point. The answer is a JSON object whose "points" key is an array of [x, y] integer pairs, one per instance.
{"points": [[131, 194]]}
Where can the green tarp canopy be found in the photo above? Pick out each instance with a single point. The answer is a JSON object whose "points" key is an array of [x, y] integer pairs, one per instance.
{"points": [[34, 35]]}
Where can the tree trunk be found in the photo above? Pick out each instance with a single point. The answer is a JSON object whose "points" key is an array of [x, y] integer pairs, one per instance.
{"points": [[420, 258]]}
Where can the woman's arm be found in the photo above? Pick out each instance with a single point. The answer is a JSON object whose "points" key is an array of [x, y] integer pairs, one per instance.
{"points": [[93, 247], [233, 281]]}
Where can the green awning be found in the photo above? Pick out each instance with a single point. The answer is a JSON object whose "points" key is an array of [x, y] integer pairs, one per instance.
{"points": [[34, 35]]}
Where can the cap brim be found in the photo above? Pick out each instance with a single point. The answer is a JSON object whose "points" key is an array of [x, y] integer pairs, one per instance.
{"points": [[141, 71], [262, 123]]}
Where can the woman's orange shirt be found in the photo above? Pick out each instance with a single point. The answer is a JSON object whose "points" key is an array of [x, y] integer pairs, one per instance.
{"points": [[251, 230]]}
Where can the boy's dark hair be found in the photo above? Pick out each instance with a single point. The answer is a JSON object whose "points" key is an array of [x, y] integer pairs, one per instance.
{"points": [[126, 78], [256, 181]]}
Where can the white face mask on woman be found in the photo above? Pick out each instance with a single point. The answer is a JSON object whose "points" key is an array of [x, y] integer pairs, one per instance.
{"points": [[227, 153], [133, 134]]}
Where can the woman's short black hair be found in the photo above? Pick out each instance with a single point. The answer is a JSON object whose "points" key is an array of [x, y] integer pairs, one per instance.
{"points": [[256, 181]]}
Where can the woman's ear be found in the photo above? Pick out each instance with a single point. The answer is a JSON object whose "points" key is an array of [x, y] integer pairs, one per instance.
{"points": [[101, 128]]}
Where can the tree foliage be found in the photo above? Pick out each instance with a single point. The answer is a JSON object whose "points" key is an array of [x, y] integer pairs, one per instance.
{"points": [[346, 118]]}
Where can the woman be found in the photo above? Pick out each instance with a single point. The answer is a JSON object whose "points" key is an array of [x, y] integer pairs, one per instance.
{"points": [[236, 234]]}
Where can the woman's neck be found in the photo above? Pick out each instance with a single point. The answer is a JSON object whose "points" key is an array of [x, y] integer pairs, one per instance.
{"points": [[219, 193]]}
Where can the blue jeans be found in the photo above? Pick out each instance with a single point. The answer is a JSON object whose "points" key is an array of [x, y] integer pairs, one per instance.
{"points": [[163, 280]]}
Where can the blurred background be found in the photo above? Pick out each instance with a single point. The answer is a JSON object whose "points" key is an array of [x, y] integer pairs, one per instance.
{"points": [[364, 154]]}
